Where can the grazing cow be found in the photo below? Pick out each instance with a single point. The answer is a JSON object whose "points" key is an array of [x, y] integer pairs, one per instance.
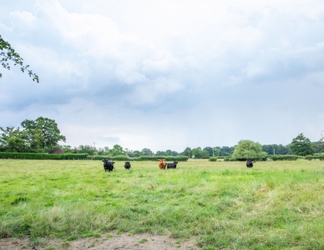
{"points": [[172, 165], [162, 164], [108, 165], [127, 165], [249, 163]]}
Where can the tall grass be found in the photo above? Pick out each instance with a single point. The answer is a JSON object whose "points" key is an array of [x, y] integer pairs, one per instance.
{"points": [[274, 205]]}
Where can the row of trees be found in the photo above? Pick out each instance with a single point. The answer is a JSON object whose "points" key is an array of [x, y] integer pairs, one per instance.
{"points": [[245, 149], [42, 135], [198, 152]]}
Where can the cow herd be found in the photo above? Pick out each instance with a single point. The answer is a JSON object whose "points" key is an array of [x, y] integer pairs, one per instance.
{"points": [[109, 165]]}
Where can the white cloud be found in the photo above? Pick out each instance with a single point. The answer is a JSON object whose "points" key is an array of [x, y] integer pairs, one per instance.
{"points": [[26, 18]]}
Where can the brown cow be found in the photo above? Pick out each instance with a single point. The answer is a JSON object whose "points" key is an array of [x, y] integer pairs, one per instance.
{"points": [[162, 164]]}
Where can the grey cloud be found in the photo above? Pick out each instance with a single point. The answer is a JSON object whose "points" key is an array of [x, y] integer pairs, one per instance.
{"points": [[249, 72]]}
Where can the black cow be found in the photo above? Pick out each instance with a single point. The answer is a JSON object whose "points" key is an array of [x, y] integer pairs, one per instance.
{"points": [[172, 165], [108, 165], [249, 163], [127, 165]]}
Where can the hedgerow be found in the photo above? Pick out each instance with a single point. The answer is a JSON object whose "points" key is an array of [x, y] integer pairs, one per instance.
{"points": [[42, 156]]}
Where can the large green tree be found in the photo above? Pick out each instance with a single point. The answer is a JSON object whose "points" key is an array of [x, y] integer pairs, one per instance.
{"points": [[247, 149], [301, 145], [187, 152], [42, 134], [117, 150], [7, 54]]}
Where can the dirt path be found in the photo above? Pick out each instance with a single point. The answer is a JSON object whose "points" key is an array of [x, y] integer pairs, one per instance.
{"points": [[114, 242]]}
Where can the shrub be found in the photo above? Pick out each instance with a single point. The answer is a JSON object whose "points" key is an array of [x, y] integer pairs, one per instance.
{"points": [[213, 158], [315, 157], [285, 157]]}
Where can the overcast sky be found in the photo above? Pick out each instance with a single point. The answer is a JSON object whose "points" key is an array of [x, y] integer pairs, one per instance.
{"points": [[167, 74]]}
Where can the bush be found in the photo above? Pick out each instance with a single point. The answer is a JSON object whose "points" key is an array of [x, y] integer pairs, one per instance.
{"points": [[285, 157], [42, 156], [213, 158], [315, 157], [228, 158]]}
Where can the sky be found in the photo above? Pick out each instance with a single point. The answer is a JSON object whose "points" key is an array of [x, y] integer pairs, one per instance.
{"points": [[167, 74]]}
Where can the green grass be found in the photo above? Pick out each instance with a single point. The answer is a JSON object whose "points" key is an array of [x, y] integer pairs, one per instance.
{"points": [[274, 205]]}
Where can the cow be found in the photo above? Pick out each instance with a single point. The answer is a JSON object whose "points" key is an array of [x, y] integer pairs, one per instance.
{"points": [[249, 164], [162, 164], [172, 165], [127, 165], [108, 165]]}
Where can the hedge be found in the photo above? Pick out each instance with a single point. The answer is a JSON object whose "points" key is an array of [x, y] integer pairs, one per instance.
{"points": [[229, 158], [42, 156], [315, 157], [285, 157], [45, 156]]}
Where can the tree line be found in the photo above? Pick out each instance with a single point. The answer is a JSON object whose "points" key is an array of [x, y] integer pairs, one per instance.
{"points": [[43, 135]]}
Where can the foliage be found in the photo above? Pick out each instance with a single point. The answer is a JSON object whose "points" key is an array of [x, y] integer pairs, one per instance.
{"points": [[285, 157], [40, 135], [214, 158], [274, 149], [167, 152], [87, 149], [117, 150], [42, 156], [225, 151], [147, 152], [187, 152], [301, 145], [12, 140], [43, 133], [68, 149], [198, 153], [7, 53], [275, 205], [103, 151], [135, 153], [315, 157], [247, 149]]}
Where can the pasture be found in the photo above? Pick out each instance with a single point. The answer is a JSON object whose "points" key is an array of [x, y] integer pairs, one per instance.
{"points": [[223, 205]]}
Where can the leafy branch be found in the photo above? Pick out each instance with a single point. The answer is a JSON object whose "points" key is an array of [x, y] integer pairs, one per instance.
{"points": [[7, 54]]}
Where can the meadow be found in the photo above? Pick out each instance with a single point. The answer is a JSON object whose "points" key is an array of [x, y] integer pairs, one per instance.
{"points": [[223, 205]]}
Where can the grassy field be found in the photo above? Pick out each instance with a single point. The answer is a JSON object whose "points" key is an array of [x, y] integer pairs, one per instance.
{"points": [[224, 205]]}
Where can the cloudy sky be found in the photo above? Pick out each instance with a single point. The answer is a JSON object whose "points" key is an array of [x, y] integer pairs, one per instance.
{"points": [[167, 74]]}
